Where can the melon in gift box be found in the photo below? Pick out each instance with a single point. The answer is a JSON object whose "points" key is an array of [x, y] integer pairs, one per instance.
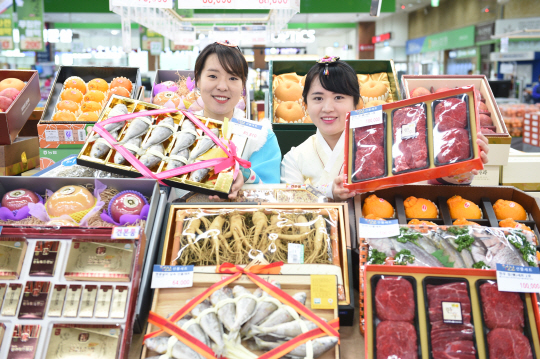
{"points": [[413, 140]]}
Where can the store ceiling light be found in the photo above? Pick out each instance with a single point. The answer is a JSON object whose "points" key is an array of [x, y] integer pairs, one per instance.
{"points": [[435, 3], [115, 32], [402, 7]]}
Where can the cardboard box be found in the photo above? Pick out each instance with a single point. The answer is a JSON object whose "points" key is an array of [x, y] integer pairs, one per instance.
{"points": [[432, 169], [13, 120], [523, 169], [499, 143], [50, 156], [73, 134], [362, 67], [489, 176], [22, 155]]}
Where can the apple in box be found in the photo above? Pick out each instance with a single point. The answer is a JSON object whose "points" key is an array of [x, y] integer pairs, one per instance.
{"points": [[10, 88]]}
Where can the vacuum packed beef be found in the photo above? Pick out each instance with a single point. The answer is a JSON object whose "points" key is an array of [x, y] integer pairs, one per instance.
{"points": [[409, 130], [369, 160], [453, 146], [396, 340], [451, 113], [508, 344], [450, 340], [451, 136], [501, 309], [394, 299]]}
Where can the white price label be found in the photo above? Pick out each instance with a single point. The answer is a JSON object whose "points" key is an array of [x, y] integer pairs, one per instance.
{"points": [[52, 136], [125, 233], [408, 131], [164, 4], [295, 253], [172, 276], [237, 4], [82, 135], [366, 117], [511, 278], [250, 129], [452, 312], [372, 228], [156, 47]]}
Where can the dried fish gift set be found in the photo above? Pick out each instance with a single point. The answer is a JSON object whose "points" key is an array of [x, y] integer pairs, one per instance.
{"points": [[309, 239], [412, 140], [169, 145], [436, 313], [81, 293], [240, 318]]}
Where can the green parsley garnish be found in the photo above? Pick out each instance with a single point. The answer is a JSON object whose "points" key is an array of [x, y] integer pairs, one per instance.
{"points": [[464, 241], [480, 265], [407, 235], [376, 257], [404, 257], [458, 231]]}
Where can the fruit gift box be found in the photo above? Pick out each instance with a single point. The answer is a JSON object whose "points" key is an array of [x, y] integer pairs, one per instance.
{"points": [[19, 95], [78, 96], [489, 115], [413, 140]]}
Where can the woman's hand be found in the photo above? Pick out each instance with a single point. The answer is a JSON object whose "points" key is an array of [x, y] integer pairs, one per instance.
{"points": [[339, 192], [236, 186], [482, 141]]}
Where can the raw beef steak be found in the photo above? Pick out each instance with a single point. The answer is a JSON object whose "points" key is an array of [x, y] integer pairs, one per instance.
{"points": [[394, 299], [501, 309], [463, 349], [487, 131], [369, 162], [508, 344], [409, 153], [396, 340], [369, 135], [450, 113], [452, 146]]}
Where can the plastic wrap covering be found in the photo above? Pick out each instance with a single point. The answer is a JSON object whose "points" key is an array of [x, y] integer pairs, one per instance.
{"points": [[369, 152], [409, 134]]}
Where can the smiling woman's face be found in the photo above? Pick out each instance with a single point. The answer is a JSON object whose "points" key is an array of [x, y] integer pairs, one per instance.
{"points": [[328, 110], [220, 90]]}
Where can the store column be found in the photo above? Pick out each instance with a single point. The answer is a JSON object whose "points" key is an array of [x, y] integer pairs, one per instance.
{"points": [[366, 49]]}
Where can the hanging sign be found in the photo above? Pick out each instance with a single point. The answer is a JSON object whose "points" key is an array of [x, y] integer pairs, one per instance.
{"points": [[238, 4], [231, 33], [185, 36], [254, 35], [164, 4], [6, 25], [148, 37], [30, 23]]}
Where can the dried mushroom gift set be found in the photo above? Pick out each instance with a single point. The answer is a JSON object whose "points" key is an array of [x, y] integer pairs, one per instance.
{"points": [[172, 146], [412, 140]]}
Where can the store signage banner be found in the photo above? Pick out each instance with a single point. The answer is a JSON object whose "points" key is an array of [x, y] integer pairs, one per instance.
{"points": [[186, 36], [254, 35], [484, 32], [148, 37], [164, 4], [510, 25], [30, 24], [512, 56], [449, 40], [414, 46], [222, 33], [238, 4], [6, 25], [366, 47], [381, 38], [175, 47]]}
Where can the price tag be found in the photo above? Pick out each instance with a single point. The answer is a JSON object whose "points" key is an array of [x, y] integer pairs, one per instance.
{"points": [[366, 117], [250, 129], [236, 4], [408, 131], [295, 253], [372, 228], [511, 278], [125, 233], [165, 4], [323, 291], [52, 136], [452, 312], [172, 276]]}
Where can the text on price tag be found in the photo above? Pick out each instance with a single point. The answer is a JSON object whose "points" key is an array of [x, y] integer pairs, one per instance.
{"points": [[511, 278], [372, 228], [125, 232], [250, 129], [172, 276], [366, 117]]}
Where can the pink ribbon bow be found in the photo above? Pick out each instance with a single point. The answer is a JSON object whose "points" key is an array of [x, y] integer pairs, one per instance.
{"points": [[219, 164]]}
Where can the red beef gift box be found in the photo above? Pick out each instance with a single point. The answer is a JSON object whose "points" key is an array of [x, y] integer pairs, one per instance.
{"points": [[14, 118], [412, 140]]}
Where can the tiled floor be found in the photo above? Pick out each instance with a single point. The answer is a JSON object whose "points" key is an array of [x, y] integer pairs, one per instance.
{"points": [[352, 342]]}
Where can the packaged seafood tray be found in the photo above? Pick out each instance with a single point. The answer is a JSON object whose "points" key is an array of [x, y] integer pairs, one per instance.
{"points": [[309, 239], [160, 143], [230, 321], [407, 141], [78, 96], [460, 312], [490, 118], [70, 292]]}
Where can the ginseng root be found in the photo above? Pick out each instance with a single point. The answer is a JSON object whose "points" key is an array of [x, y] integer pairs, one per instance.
{"points": [[241, 243], [220, 247], [260, 222], [192, 247], [319, 243]]}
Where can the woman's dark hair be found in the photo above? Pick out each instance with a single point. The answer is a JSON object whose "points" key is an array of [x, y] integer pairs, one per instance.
{"points": [[341, 79], [231, 59]]}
